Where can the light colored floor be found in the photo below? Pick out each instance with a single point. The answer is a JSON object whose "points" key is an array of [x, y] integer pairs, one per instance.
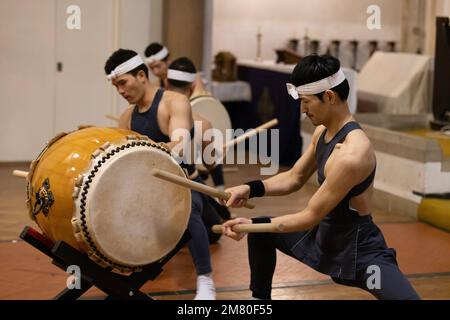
{"points": [[422, 253]]}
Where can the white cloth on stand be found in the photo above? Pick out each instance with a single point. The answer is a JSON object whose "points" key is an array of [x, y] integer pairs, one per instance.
{"points": [[397, 83], [231, 91]]}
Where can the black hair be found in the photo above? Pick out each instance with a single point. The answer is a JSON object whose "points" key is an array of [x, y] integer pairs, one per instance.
{"points": [[182, 64], [119, 57], [154, 48], [314, 68]]}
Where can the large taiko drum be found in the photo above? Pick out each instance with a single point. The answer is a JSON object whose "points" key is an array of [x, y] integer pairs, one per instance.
{"points": [[94, 189]]}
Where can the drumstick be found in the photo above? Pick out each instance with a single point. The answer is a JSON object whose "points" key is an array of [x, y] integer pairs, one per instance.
{"points": [[195, 186], [111, 117], [253, 228], [251, 133], [20, 173]]}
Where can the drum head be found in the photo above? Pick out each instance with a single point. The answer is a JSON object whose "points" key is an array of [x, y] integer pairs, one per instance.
{"points": [[131, 218], [214, 111]]}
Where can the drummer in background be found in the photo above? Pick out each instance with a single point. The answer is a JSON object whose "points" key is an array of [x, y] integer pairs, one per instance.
{"points": [[157, 114], [158, 60], [181, 78]]}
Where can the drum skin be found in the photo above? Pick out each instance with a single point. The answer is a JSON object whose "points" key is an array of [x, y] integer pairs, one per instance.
{"points": [[211, 109], [61, 171]]}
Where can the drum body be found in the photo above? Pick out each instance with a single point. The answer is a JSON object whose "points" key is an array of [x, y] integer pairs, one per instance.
{"points": [[93, 189]]}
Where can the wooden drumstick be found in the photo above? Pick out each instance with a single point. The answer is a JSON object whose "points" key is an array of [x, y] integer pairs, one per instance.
{"points": [[252, 228], [195, 186], [20, 173], [251, 133], [111, 117]]}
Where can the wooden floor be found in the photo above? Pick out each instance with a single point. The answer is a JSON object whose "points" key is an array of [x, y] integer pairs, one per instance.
{"points": [[422, 251]]}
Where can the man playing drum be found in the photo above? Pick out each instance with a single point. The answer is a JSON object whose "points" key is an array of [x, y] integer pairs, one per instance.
{"points": [[181, 78], [157, 114], [334, 234]]}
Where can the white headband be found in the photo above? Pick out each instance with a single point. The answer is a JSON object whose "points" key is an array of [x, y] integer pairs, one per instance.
{"points": [[317, 86], [162, 54], [180, 75], [125, 67]]}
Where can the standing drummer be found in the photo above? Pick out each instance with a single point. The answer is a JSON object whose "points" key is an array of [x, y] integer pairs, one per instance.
{"points": [[158, 114]]}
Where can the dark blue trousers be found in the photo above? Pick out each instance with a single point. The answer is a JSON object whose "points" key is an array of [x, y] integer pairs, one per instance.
{"points": [[392, 284], [203, 217]]}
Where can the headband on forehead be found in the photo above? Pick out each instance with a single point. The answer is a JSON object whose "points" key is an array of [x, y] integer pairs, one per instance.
{"points": [[180, 75], [125, 67], [162, 54], [317, 86]]}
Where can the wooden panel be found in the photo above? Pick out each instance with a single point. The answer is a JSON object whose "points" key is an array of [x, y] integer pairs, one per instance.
{"points": [[183, 29]]}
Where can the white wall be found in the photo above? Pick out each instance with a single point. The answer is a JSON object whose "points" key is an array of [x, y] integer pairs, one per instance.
{"points": [[236, 23], [82, 94], [27, 64], [36, 101], [443, 8], [140, 23]]}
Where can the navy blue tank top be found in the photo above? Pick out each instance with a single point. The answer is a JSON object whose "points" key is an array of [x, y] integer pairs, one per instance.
{"points": [[146, 123], [324, 150], [333, 246]]}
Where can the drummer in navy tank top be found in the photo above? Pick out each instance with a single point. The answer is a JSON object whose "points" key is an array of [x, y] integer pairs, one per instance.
{"points": [[335, 233], [157, 114]]}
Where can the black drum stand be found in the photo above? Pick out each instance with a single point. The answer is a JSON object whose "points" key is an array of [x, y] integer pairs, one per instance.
{"points": [[116, 286]]}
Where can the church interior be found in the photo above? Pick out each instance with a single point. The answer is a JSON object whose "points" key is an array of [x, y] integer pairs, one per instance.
{"points": [[59, 114]]}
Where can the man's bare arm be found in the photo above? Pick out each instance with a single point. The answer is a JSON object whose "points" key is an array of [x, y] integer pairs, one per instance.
{"points": [[283, 183], [125, 118], [180, 122], [294, 179], [344, 173]]}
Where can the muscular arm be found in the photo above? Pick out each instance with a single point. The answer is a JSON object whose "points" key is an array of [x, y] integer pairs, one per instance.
{"points": [[125, 118], [345, 172], [180, 122], [292, 180], [283, 183]]}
